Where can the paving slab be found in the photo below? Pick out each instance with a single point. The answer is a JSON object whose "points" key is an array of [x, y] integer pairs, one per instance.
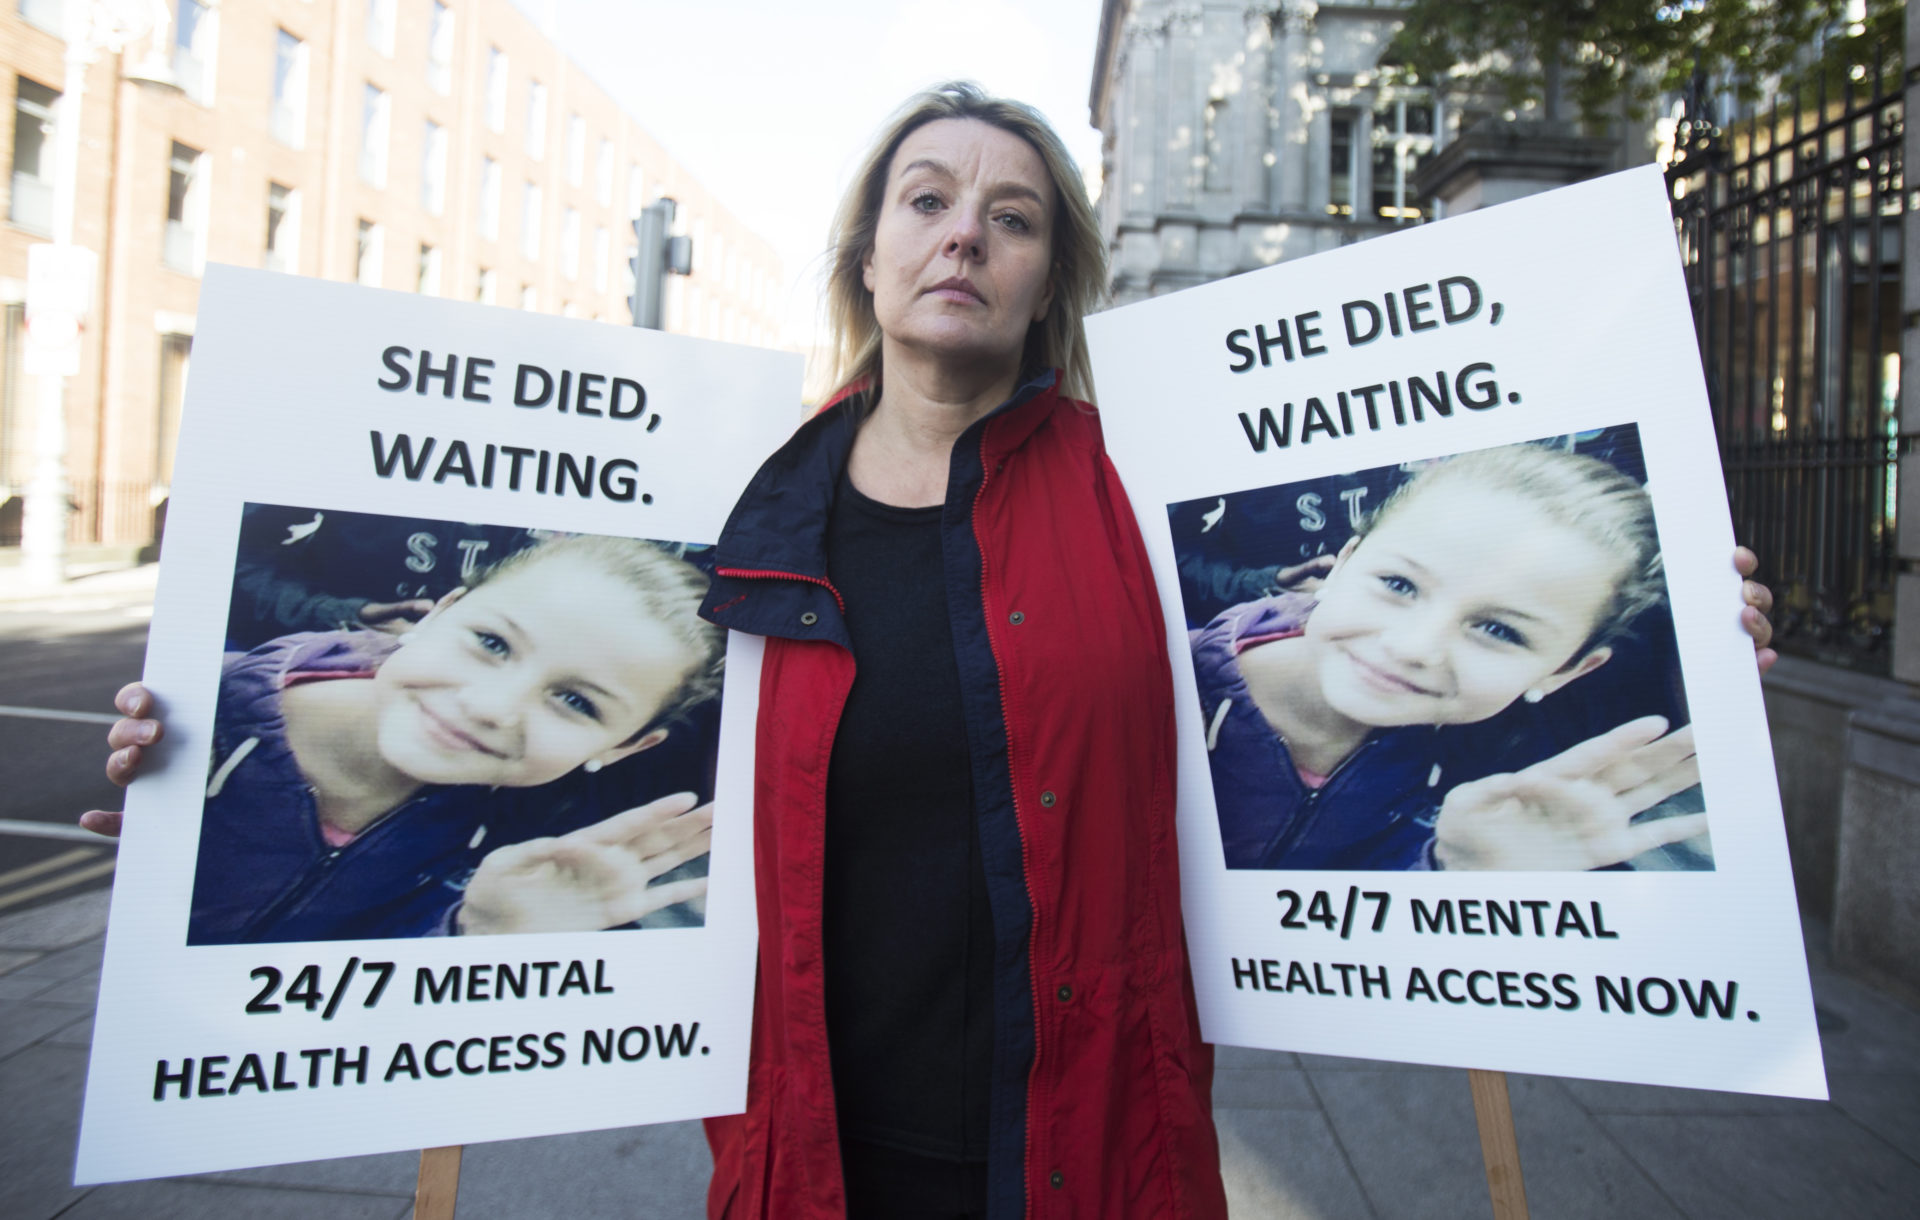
{"points": [[1286, 1165], [25, 1022], [386, 1173], [1254, 1089], [1885, 1103], [1416, 1149], [1227, 1057], [39, 1130], [1738, 1168], [58, 924], [194, 1200], [630, 1173]]}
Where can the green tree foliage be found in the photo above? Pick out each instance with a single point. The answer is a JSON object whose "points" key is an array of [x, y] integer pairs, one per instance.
{"points": [[1590, 54]]}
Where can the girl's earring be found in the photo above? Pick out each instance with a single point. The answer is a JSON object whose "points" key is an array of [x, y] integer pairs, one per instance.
{"points": [[593, 765], [1534, 696]]}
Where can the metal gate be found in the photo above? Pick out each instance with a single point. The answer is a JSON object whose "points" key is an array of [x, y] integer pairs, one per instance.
{"points": [[1790, 231]]}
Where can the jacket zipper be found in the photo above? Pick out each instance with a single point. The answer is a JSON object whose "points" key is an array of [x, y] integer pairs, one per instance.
{"points": [[773, 574], [316, 874], [1026, 860], [1310, 806]]}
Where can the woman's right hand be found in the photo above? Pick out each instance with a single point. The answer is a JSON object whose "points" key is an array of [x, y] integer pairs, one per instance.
{"points": [[127, 739]]}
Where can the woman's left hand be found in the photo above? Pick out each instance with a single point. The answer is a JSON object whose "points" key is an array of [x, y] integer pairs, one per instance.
{"points": [[1574, 811], [599, 876], [1758, 601]]}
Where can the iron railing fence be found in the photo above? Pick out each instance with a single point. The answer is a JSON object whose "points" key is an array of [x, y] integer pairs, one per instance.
{"points": [[1790, 231]]}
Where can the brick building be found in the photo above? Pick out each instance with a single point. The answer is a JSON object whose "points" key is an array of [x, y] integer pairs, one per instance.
{"points": [[439, 146]]}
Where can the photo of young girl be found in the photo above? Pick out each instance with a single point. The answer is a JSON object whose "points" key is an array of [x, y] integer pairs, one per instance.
{"points": [[529, 755], [1483, 675]]}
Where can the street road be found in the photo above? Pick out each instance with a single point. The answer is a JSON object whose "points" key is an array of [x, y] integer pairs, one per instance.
{"points": [[58, 673]]}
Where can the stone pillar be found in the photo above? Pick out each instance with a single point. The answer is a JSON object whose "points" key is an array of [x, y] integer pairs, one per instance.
{"points": [[1876, 917], [1291, 56]]}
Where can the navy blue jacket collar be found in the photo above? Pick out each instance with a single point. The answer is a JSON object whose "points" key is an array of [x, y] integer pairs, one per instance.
{"points": [[770, 565]]}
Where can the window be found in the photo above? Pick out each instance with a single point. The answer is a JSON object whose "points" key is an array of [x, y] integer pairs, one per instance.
{"points": [[380, 23], [603, 174], [31, 204], [489, 199], [440, 49], [576, 149], [427, 281], [1217, 174], [288, 121], [194, 35], [370, 253], [433, 169], [49, 15], [602, 253], [570, 243], [283, 228], [530, 220], [529, 299], [374, 114], [483, 286], [536, 120], [15, 459], [1402, 141], [176, 352], [184, 245], [1340, 167], [636, 199], [496, 89]]}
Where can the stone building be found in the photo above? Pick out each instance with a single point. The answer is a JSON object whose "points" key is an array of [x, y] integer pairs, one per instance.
{"points": [[1239, 133], [439, 146]]}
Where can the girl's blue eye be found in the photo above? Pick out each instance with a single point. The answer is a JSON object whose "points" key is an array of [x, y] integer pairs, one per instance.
{"points": [[490, 643], [1505, 633], [1398, 584], [574, 701]]}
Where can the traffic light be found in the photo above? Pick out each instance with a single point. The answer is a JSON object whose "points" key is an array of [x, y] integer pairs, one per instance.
{"points": [[656, 254]]}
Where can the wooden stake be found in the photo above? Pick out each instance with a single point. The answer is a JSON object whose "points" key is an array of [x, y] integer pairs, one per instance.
{"points": [[1498, 1147], [439, 1185]]}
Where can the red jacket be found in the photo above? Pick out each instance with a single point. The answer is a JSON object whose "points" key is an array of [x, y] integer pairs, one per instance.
{"points": [[1100, 1099]]}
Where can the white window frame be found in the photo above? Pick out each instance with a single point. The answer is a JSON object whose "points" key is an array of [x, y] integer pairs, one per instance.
{"points": [[287, 121], [536, 143], [184, 243], [282, 248], [576, 150], [426, 279], [603, 174], [382, 17], [196, 49], [440, 48], [570, 243], [376, 133], [530, 220], [370, 253], [489, 218], [499, 73], [602, 255], [433, 168]]}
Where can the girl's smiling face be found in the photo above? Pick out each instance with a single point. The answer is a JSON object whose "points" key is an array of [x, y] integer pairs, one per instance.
{"points": [[527, 677], [1447, 614]]}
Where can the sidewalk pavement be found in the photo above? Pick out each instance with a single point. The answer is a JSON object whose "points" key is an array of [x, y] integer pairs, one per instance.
{"points": [[107, 587], [1303, 1137]]}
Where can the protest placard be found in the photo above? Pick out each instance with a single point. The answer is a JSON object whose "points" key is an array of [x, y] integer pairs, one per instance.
{"points": [[423, 859], [1473, 764]]}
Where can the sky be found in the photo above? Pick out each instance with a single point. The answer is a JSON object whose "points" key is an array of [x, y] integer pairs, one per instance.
{"points": [[771, 103]]}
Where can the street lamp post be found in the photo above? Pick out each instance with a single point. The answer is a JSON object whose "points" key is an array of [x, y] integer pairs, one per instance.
{"points": [[60, 278]]}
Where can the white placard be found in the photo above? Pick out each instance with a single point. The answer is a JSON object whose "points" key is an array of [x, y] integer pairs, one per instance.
{"points": [[1331, 724], [276, 989]]}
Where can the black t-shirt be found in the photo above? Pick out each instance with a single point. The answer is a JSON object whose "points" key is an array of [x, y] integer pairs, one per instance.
{"points": [[908, 936]]}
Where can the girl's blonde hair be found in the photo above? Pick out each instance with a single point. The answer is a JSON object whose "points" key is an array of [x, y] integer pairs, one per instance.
{"points": [[1585, 494], [1079, 267], [670, 591]]}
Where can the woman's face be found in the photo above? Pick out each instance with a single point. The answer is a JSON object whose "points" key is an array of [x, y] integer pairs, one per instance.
{"points": [[523, 679], [963, 250], [1457, 604]]}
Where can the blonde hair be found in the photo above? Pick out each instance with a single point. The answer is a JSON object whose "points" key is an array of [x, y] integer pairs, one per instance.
{"points": [[1585, 494], [1078, 272], [670, 591]]}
